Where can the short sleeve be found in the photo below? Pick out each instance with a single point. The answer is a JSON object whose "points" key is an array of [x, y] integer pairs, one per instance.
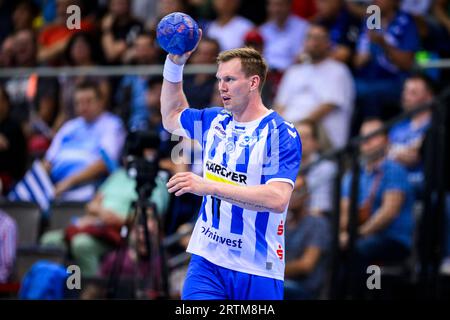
{"points": [[283, 155], [194, 123], [396, 178]]}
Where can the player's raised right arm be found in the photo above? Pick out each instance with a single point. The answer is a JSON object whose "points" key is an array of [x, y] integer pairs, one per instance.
{"points": [[173, 100]]}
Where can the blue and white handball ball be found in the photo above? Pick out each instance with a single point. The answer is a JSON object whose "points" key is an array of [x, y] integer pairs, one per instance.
{"points": [[177, 33]]}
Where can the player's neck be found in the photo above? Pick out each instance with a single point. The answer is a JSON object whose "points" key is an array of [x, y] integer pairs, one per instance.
{"points": [[254, 110]]}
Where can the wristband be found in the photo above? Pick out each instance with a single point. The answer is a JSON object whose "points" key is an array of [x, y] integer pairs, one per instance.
{"points": [[172, 72]]}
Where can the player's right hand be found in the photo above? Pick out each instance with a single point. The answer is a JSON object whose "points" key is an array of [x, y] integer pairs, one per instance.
{"points": [[182, 59]]}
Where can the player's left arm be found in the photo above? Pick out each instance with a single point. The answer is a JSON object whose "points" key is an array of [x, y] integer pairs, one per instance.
{"points": [[273, 196]]}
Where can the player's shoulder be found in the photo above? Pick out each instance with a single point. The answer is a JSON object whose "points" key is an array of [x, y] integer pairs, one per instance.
{"points": [[285, 128], [213, 112], [281, 123]]}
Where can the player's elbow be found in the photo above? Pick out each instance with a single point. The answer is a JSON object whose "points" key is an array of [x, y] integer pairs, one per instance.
{"points": [[280, 205], [278, 199], [169, 122]]}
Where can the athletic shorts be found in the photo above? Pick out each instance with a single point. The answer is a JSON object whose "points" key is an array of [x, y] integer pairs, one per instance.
{"points": [[207, 281]]}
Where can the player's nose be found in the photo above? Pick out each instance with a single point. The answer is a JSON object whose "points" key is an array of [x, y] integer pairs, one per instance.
{"points": [[222, 87]]}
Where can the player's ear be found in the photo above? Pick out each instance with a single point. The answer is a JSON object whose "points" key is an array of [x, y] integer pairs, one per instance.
{"points": [[254, 82]]}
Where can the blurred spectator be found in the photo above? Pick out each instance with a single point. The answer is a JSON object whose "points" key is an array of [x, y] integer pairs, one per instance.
{"points": [[145, 10], [35, 99], [320, 89], [383, 61], [153, 103], [23, 46], [202, 10], [308, 240], [385, 206], [415, 8], [86, 148], [81, 51], [119, 30], [131, 90], [24, 14], [407, 136], [144, 49], [254, 39], [229, 28], [284, 35], [97, 232], [199, 87], [53, 37], [164, 7], [305, 9], [342, 25], [8, 245], [320, 177], [13, 156], [7, 52]]}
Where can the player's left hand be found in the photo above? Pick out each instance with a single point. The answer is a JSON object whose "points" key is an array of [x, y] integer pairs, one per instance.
{"points": [[184, 182]]}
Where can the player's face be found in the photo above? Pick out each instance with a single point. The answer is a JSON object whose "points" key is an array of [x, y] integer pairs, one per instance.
{"points": [[234, 86]]}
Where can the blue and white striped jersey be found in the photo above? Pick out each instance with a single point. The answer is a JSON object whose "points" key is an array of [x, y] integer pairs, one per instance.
{"points": [[245, 154]]}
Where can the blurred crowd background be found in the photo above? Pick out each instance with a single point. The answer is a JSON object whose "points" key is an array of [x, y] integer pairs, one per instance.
{"points": [[65, 138]]}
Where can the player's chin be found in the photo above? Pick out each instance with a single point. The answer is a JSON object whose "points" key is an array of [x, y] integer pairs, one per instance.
{"points": [[227, 105]]}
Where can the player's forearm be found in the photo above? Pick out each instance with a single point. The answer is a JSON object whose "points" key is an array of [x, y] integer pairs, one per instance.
{"points": [[256, 198], [173, 102]]}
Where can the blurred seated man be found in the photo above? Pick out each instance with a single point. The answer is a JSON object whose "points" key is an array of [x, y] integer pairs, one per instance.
{"points": [[320, 89], [109, 210], [406, 137], [385, 204], [319, 177], [308, 239], [86, 148]]}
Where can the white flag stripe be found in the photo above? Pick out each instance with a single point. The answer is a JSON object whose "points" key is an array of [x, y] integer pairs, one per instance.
{"points": [[44, 179], [22, 192], [37, 191]]}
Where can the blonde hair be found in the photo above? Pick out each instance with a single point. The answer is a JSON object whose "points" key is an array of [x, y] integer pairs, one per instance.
{"points": [[252, 62]]}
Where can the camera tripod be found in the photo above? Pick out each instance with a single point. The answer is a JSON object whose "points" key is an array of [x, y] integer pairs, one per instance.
{"points": [[151, 278]]}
